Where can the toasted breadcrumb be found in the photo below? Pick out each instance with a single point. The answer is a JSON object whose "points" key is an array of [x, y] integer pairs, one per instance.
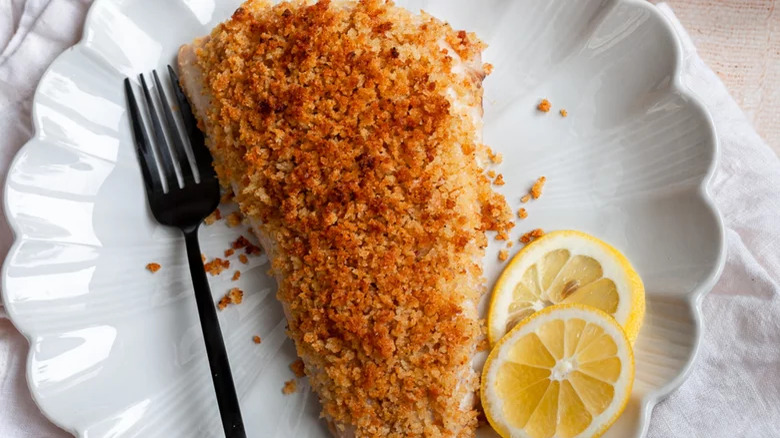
{"points": [[502, 235], [297, 368], [249, 247], [226, 197], [234, 219], [563, 112], [525, 198], [203, 257], [495, 157], [510, 244], [531, 236], [153, 267], [236, 295], [499, 181], [544, 106], [359, 197], [213, 217], [488, 68], [256, 339], [243, 258], [483, 345], [289, 387], [229, 252], [216, 266], [522, 213], [503, 255], [236, 275], [491, 174], [536, 190]]}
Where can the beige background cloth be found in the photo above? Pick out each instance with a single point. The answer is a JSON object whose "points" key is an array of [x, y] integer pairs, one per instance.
{"points": [[740, 41]]}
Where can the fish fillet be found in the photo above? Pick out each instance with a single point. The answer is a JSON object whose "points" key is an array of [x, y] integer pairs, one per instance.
{"points": [[350, 133]]}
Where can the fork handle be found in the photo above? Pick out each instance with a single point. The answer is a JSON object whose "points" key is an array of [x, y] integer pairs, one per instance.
{"points": [[229, 409]]}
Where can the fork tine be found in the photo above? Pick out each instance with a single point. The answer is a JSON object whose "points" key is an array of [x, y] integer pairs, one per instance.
{"points": [[178, 144], [202, 155], [142, 145], [164, 152]]}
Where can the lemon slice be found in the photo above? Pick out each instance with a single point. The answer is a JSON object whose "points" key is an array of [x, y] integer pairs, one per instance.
{"points": [[567, 267], [565, 372]]}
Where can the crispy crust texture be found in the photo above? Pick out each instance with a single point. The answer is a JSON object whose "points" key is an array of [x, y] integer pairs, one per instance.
{"points": [[347, 132]]}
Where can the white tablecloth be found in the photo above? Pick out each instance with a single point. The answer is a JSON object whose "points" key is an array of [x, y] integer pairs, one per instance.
{"points": [[734, 388]]}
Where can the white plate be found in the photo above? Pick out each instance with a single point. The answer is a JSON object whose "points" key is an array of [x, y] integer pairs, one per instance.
{"points": [[117, 352]]}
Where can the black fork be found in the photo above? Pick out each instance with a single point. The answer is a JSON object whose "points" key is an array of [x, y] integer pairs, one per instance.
{"points": [[184, 207]]}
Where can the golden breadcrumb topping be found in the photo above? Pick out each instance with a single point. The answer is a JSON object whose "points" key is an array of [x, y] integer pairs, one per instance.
{"points": [[297, 367], [544, 106], [153, 267], [337, 129], [503, 255]]}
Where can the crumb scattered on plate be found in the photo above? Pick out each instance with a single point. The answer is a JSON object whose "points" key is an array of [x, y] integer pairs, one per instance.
{"points": [[499, 181], [216, 266], [153, 267], [213, 217], [503, 255], [522, 213], [243, 258], [234, 296], [525, 199], [563, 112], [491, 174], [256, 339], [229, 252], [536, 190], [544, 106], [226, 197], [236, 275], [531, 235], [289, 387]]}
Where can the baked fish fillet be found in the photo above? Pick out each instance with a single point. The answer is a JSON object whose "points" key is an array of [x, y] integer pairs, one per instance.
{"points": [[350, 135]]}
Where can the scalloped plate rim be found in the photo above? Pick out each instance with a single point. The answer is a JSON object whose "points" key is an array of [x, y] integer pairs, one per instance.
{"points": [[693, 299]]}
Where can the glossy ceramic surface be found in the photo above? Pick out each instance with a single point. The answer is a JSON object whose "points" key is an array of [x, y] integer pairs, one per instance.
{"points": [[117, 352]]}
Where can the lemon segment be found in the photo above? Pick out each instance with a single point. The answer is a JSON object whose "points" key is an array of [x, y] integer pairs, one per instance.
{"points": [[566, 371], [567, 267]]}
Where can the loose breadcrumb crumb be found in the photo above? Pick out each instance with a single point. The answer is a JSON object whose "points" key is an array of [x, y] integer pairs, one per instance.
{"points": [[531, 236], [536, 190], [502, 235], [488, 68], [491, 174], [298, 368], [216, 266], [256, 339], [236, 275], [203, 257], [503, 255], [544, 106], [234, 219], [495, 157], [563, 112], [229, 252], [522, 213], [483, 345], [249, 247], [243, 258], [236, 295], [213, 217], [289, 387], [499, 181], [510, 244], [226, 197], [525, 198], [153, 267]]}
